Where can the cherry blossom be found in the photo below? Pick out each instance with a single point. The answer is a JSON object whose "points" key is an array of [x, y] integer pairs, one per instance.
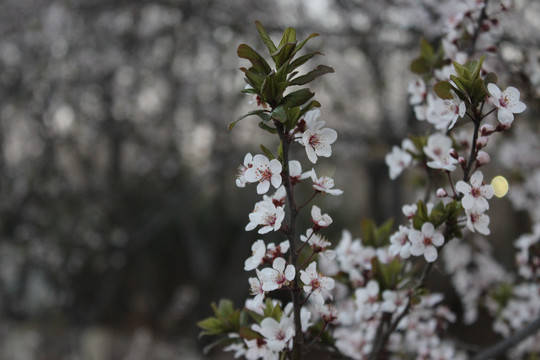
{"points": [[477, 220], [256, 288], [240, 176], [316, 284], [397, 161], [367, 300], [424, 242], [324, 184], [278, 336], [443, 114], [278, 275], [274, 251], [265, 172], [393, 301], [476, 194], [399, 243], [507, 103], [267, 215], [438, 149], [416, 90], [258, 251], [317, 141], [318, 243], [320, 220]]}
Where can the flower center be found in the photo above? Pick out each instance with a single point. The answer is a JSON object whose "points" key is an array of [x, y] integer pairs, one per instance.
{"points": [[427, 241], [504, 101], [314, 140]]}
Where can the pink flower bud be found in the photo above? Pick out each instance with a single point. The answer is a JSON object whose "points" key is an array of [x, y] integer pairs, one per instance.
{"points": [[462, 162], [482, 158], [453, 153], [441, 193], [481, 142], [487, 129]]}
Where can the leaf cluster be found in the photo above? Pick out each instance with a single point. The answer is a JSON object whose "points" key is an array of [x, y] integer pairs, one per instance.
{"points": [[439, 215], [468, 85], [428, 60], [270, 83]]}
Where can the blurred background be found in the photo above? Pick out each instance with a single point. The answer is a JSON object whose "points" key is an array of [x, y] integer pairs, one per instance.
{"points": [[120, 219]]}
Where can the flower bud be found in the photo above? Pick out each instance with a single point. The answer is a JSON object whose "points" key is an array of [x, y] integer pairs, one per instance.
{"points": [[441, 193], [462, 162], [482, 158], [481, 142], [487, 129], [453, 153]]}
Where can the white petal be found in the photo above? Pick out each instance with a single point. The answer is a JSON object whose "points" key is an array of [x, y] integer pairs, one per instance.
{"points": [[505, 116], [494, 90], [430, 254], [290, 272], [263, 187]]}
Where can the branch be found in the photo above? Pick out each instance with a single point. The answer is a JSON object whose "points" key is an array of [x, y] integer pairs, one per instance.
{"points": [[508, 343]]}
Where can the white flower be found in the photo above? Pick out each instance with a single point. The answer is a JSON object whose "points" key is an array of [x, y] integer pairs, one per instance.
{"points": [[259, 350], [367, 299], [278, 275], [256, 289], [397, 161], [318, 243], [274, 251], [443, 114], [265, 172], [477, 221], [267, 215], [424, 242], [507, 103], [475, 194], [393, 301], [317, 141], [399, 243], [320, 220], [278, 335], [416, 90], [258, 251], [240, 176], [324, 184], [316, 284], [438, 149]]}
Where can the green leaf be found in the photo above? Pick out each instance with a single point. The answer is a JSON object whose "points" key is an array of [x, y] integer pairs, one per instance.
{"points": [[462, 71], [263, 114], [260, 65], [279, 114], [477, 67], [368, 231], [248, 334], [297, 98], [254, 79], [265, 127], [267, 152], [255, 316], [302, 43], [442, 89], [426, 50], [420, 66], [312, 104], [284, 54], [312, 75], [265, 37], [302, 60], [490, 78], [220, 342], [212, 325], [421, 215], [289, 36]]}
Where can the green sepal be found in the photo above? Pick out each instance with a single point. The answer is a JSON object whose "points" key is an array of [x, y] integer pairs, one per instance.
{"points": [[263, 114], [297, 98], [265, 127], [312, 75], [443, 90], [260, 65], [267, 152], [265, 37]]}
